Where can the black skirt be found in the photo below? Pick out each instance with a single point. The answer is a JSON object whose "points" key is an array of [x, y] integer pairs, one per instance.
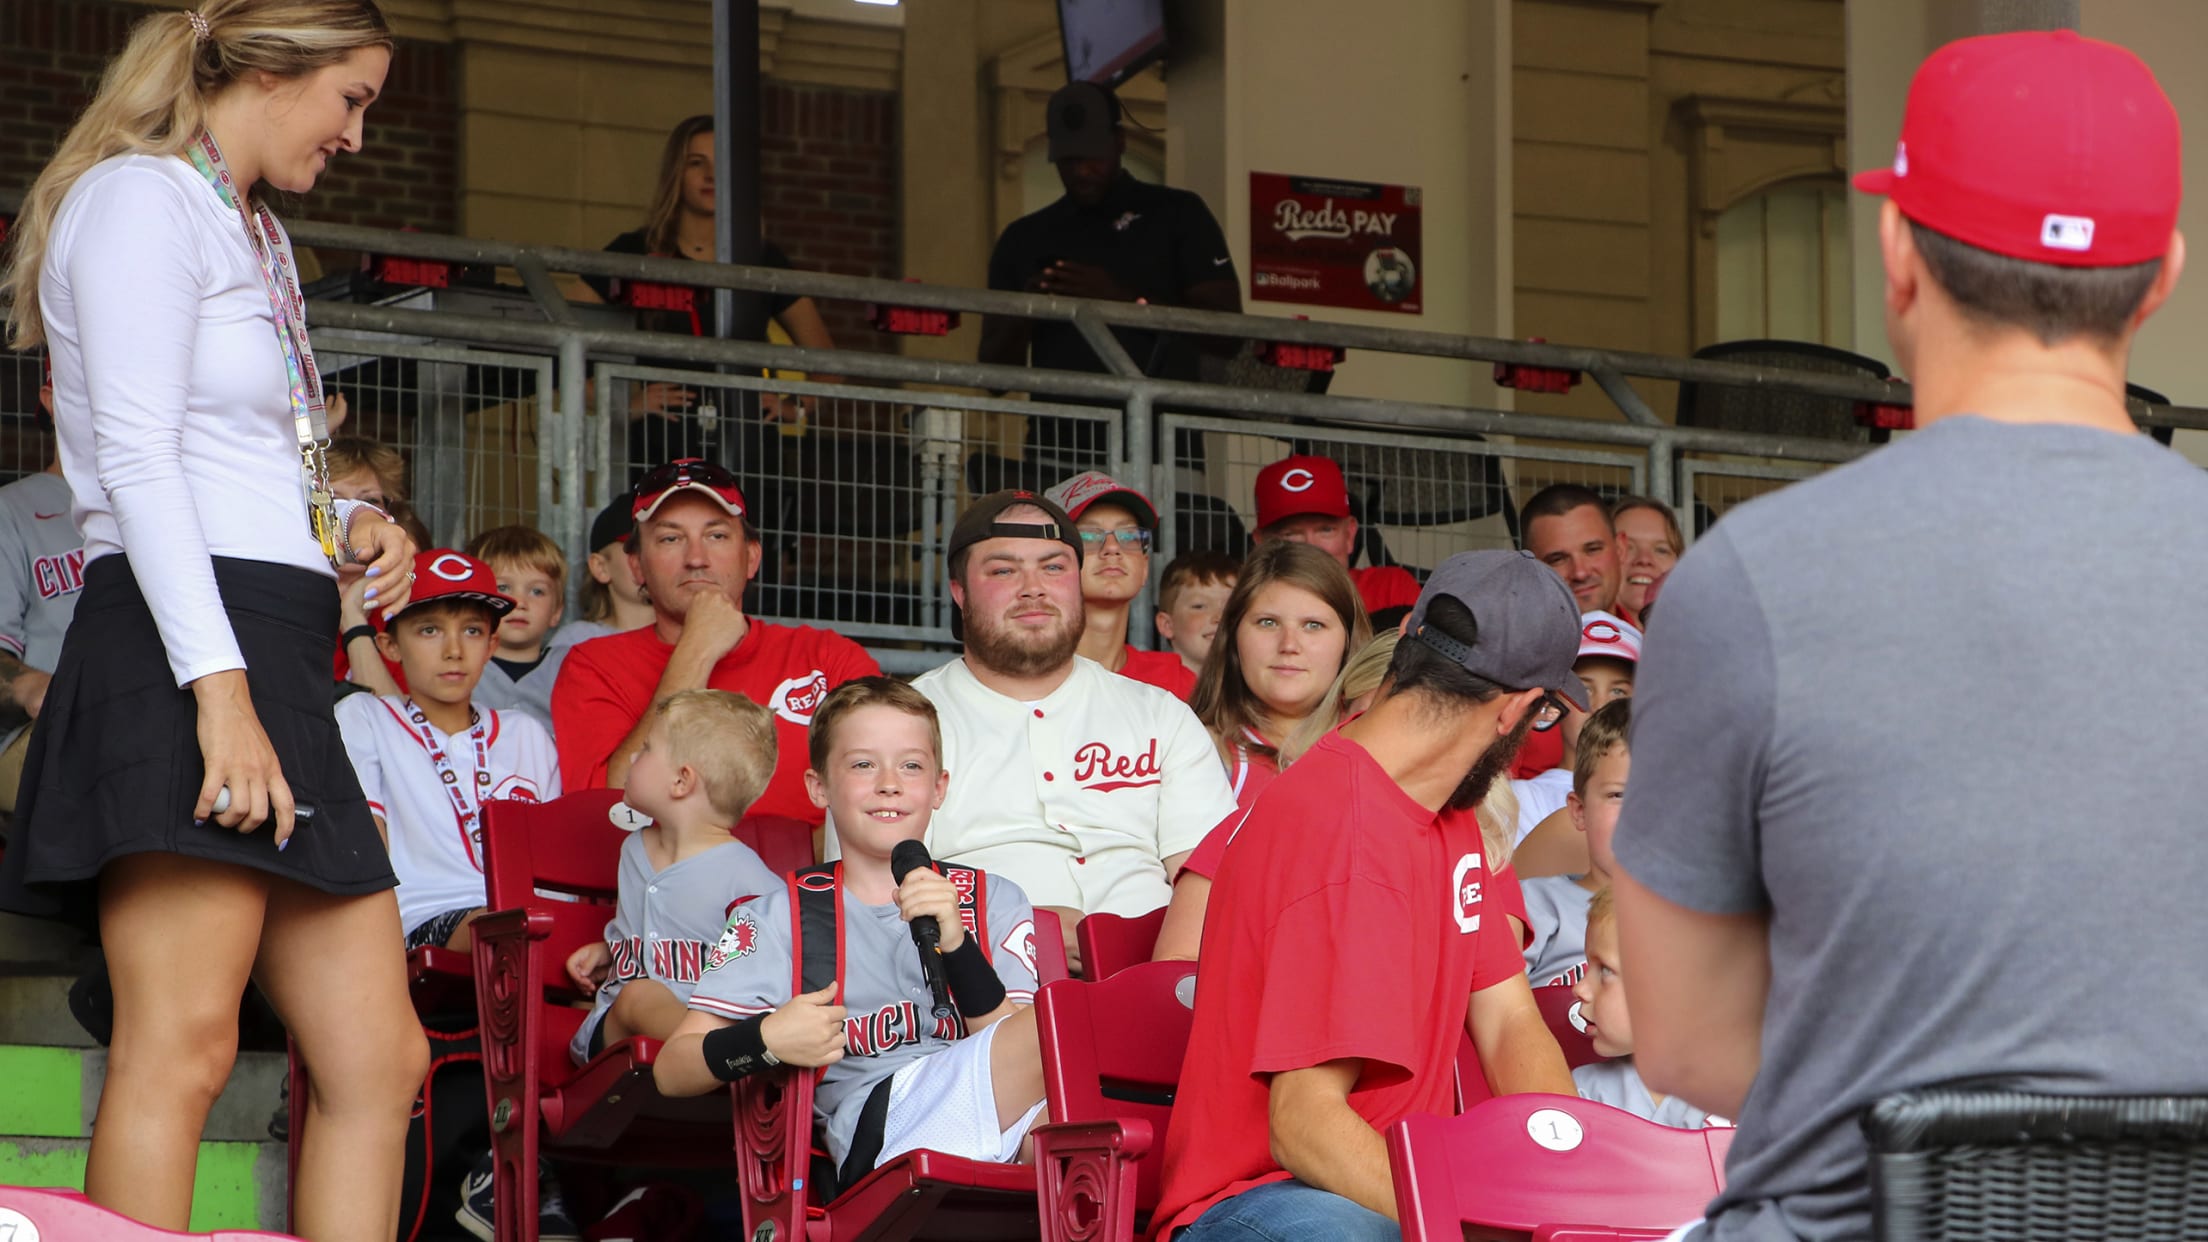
{"points": [[114, 765]]}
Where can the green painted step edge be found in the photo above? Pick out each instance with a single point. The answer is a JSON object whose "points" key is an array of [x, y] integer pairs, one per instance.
{"points": [[45, 1092], [238, 1185]]}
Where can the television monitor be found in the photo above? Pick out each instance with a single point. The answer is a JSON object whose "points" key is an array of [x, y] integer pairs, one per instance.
{"points": [[1109, 41]]}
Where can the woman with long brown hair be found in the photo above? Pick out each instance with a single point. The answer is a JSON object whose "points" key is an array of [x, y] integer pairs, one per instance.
{"points": [[186, 789]]}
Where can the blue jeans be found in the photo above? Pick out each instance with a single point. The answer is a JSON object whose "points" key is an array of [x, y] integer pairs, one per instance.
{"points": [[1289, 1212]]}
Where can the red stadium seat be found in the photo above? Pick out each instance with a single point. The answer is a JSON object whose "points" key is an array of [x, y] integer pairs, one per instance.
{"points": [[1050, 948], [1560, 1009], [1110, 943], [1112, 1053], [608, 1111], [28, 1214], [1552, 1166]]}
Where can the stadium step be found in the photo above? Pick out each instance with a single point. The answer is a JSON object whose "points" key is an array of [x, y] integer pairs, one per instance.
{"points": [[54, 1072]]}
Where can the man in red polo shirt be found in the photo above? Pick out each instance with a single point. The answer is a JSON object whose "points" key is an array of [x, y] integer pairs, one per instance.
{"points": [[1349, 947], [1304, 498], [694, 550]]}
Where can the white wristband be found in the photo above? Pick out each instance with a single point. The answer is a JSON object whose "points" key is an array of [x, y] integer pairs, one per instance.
{"points": [[347, 511]]}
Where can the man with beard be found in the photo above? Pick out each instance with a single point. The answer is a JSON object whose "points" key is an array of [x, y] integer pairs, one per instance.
{"points": [[695, 550], [1084, 788], [1350, 943]]}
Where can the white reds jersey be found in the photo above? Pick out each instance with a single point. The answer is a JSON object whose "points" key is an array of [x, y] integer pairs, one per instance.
{"points": [[437, 857], [1079, 798]]}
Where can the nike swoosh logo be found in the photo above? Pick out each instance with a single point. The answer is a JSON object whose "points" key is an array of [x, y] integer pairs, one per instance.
{"points": [[1222, 262], [47, 517]]}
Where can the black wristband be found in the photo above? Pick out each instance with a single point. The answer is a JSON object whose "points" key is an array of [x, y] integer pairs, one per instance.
{"points": [[974, 982], [345, 639], [738, 1051]]}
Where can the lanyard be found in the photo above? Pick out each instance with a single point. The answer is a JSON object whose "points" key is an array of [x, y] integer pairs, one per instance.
{"points": [[309, 421], [467, 814]]}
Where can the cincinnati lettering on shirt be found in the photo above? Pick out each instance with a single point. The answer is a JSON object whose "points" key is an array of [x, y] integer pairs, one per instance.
{"points": [[892, 1027], [58, 575], [1096, 762], [1566, 978], [680, 960]]}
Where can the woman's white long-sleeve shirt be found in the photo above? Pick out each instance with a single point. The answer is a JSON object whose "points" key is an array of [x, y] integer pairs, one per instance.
{"points": [[171, 399]]}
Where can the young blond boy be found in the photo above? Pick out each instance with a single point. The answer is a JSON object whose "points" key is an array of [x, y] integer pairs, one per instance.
{"points": [[897, 1079], [706, 759], [1191, 596], [1601, 996], [532, 572], [1557, 904], [1609, 653]]}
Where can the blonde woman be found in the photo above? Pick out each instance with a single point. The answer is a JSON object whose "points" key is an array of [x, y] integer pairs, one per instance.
{"points": [[185, 788], [1361, 678]]}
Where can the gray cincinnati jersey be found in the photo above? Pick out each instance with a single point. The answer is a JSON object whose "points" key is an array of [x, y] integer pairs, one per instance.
{"points": [[668, 920], [531, 692], [1619, 1085], [41, 570], [1557, 907], [885, 996]]}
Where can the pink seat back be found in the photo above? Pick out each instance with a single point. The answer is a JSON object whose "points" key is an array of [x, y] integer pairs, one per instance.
{"points": [[1112, 1050], [1110, 943], [67, 1216], [1050, 949], [1520, 1162]]}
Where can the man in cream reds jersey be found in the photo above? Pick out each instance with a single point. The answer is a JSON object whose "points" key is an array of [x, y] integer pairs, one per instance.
{"points": [[695, 550], [1084, 788], [41, 572]]}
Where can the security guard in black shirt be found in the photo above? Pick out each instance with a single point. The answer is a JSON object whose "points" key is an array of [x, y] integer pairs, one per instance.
{"points": [[1110, 237]]}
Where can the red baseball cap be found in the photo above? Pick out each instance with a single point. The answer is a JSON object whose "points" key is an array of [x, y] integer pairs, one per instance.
{"points": [[1294, 486], [687, 474], [442, 574], [2040, 145]]}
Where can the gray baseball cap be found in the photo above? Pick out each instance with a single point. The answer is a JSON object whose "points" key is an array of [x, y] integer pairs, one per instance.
{"points": [[1528, 621]]}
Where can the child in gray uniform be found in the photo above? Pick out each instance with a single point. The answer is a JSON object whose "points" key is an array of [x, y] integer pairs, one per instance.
{"points": [[705, 761], [896, 1079], [1556, 905], [1601, 996]]}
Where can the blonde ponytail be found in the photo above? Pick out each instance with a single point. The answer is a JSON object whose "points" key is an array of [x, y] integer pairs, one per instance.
{"points": [[153, 101]]}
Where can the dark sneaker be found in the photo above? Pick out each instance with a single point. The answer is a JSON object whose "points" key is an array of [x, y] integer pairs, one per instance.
{"points": [[553, 1222], [478, 1212]]}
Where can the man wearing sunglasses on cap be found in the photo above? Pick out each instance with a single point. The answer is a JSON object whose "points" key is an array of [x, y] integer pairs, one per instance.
{"points": [[695, 549]]}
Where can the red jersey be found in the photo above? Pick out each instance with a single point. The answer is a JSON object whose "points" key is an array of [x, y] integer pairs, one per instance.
{"points": [[1385, 586], [1162, 669], [607, 683], [1354, 926]]}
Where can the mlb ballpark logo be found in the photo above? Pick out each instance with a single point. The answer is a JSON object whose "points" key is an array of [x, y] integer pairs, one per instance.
{"points": [[795, 700], [2066, 232]]}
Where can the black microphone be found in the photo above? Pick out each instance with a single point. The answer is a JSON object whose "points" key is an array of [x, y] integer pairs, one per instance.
{"points": [[906, 858]]}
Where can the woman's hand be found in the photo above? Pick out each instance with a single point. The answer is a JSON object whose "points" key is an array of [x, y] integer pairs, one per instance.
{"points": [[669, 401], [238, 756], [389, 554]]}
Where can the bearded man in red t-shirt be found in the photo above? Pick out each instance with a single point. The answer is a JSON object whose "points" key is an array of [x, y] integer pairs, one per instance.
{"points": [[1350, 947]]}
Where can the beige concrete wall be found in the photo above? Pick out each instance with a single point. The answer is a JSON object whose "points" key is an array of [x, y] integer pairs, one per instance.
{"points": [[1321, 88]]}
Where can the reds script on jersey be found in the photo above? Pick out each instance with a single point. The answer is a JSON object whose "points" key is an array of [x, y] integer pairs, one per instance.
{"points": [[439, 862], [41, 571], [668, 920], [885, 996], [1080, 797], [607, 683]]}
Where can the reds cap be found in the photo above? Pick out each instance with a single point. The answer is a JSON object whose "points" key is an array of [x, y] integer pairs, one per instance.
{"points": [[442, 574], [687, 474], [2040, 145], [1607, 634], [1294, 486], [1089, 487], [1529, 625]]}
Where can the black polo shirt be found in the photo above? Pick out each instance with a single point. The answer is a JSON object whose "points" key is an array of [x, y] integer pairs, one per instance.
{"points": [[1155, 241]]}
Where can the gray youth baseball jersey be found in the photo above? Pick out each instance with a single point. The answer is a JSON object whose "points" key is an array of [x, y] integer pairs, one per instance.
{"points": [[886, 997], [667, 921], [1557, 908], [532, 693], [1619, 1085], [41, 571]]}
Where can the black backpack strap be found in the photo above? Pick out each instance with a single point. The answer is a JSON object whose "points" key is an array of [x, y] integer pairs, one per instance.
{"points": [[973, 905], [816, 928]]}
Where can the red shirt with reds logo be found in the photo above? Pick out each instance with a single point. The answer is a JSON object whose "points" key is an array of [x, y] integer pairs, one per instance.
{"points": [[1385, 586], [607, 683], [1353, 925], [1162, 669]]}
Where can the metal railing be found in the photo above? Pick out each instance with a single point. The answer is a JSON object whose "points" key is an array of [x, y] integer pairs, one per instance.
{"points": [[855, 495]]}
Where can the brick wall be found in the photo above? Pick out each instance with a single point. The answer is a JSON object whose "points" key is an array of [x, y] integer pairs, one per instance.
{"points": [[829, 161], [51, 54]]}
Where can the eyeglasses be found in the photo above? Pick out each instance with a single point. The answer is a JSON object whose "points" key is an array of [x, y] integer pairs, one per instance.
{"points": [[1128, 540], [683, 471], [1547, 710]]}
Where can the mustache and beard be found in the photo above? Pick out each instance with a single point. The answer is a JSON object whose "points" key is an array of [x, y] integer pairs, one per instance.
{"points": [[1492, 763], [1014, 652]]}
